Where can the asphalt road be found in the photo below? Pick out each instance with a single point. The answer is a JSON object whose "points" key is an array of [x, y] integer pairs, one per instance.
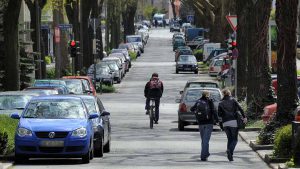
{"points": [[134, 145]]}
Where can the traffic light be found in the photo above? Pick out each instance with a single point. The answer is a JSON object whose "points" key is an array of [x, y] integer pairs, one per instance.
{"points": [[73, 48], [233, 44]]}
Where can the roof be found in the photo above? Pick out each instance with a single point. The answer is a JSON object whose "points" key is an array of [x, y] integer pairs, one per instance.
{"points": [[207, 81], [203, 88], [76, 77], [18, 93], [54, 97]]}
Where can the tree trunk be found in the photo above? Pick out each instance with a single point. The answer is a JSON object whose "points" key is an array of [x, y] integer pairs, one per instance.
{"points": [[242, 45], [287, 98], [259, 80], [173, 8], [12, 62], [85, 40]]}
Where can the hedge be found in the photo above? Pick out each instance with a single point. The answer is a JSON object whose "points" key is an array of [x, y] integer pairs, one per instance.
{"points": [[7, 134]]}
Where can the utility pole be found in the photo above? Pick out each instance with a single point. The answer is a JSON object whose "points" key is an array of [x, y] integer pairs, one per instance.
{"points": [[38, 38], [80, 57]]}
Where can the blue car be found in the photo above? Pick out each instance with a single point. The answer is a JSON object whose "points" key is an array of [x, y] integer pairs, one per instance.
{"points": [[54, 126]]}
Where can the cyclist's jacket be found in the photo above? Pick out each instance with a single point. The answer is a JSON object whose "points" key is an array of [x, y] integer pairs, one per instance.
{"points": [[154, 88]]}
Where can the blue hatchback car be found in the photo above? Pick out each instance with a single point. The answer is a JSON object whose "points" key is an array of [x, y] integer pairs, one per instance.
{"points": [[54, 126]]}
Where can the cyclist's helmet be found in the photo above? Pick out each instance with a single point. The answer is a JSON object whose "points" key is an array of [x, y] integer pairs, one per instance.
{"points": [[154, 74]]}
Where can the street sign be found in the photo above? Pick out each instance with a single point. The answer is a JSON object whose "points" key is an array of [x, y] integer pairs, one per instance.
{"points": [[57, 35], [65, 26], [190, 18], [232, 20]]}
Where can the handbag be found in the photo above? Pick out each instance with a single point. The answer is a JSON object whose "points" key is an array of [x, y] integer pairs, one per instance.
{"points": [[240, 121]]}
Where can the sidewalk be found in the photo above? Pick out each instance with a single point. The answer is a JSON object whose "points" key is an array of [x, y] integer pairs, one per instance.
{"points": [[251, 136], [5, 165]]}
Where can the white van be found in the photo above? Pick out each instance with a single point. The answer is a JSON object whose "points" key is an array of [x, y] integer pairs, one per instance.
{"points": [[208, 48]]}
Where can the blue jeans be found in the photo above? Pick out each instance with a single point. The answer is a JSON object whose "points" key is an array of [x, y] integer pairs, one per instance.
{"points": [[232, 136], [157, 102], [205, 133]]}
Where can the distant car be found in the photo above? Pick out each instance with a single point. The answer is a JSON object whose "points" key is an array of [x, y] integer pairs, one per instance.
{"points": [[136, 49], [187, 63], [176, 28], [87, 81], [123, 59], [215, 67], [215, 53], [177, 43], [200, 84], [43, 90], [125, 53], [177, 38], [55, 126], [101, 125], [119, 63], [114, 68], [183, 51], [136, 39], [189, 98], [75, 86], [40, 82], [103, 74], [14, 101], [127, 46]]}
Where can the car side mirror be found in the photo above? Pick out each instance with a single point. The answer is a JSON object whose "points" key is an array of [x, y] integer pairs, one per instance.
{"points": [[93, 115], [177, 100], [15, 116], [105, 113]]}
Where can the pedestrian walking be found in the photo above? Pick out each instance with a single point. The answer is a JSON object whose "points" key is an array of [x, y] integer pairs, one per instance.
{"points": [[156, 23], [228, 111], [205, 114]]}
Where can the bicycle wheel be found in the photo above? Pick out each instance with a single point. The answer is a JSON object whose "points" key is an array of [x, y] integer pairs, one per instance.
{"points": [[151, 118]]}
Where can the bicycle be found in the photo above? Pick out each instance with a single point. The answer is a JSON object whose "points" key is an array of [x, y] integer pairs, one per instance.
{"points": [[152, 112]]}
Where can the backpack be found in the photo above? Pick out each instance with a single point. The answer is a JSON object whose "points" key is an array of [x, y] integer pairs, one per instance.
{"points": [[155, 83], [202, 110]]}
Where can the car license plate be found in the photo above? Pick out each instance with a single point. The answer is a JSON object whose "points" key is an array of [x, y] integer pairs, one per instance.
{"points": [[187, 69], [52, 143]]}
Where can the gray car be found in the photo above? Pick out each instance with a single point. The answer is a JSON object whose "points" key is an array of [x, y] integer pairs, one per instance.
{"points": [[187, 63], [125, 53], [114, 68], [103, 74], [188, 99]]}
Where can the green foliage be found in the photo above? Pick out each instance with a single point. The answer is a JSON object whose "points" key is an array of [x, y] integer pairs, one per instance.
{"points": [[272, 16], [198, 54], [266, 135], [283, 142], [148, 10], [50, 73], [255, 124], [133, 55], [7, 134], [48, 60], [26, 68], [106, 89], [291, 163]]}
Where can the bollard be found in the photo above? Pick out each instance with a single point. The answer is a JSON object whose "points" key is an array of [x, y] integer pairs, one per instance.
{"points": [[296, 141]]}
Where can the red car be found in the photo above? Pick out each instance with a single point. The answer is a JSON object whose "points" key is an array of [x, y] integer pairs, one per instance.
{"points": [[87, 80]]}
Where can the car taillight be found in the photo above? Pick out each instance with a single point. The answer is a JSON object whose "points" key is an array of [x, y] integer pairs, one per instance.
{"points": [[182, 107], [297, 117], [211, 68]]}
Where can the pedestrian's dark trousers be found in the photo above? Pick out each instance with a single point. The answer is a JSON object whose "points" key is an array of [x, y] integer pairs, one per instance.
{"points": [[232, 136], [157, 102]]}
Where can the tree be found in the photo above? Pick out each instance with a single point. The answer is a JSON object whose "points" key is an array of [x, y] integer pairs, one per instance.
{"points": [[173, 8], [35, 7], [11, 45], [128, 13], [259, 92]]}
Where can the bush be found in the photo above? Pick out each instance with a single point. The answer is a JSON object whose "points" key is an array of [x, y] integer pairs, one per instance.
{"points": [[7, 134], [198, 54], [133, 55], [283, 142], [50, 73], [48, 60], [106, 89]]}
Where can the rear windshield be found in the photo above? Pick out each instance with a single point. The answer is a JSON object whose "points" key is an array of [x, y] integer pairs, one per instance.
{"points": [[199, 84], [184, 58], [194, 95]]}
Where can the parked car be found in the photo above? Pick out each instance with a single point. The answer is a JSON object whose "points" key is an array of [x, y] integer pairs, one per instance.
{"points": [[103, 74], [40, 82], [119, 63], [177, 43], [200, 84], [215, 53], [145, 35], [136, 49], [43, 90], [189, 98], [123, 59], [75, 86], [187, 63], [127, 46], [182, 51], [62, 89], [125, 53], [137, 39], [114, 68], [215, 67], [87, 81], [14, 101], [101, 125], [55, 126]]}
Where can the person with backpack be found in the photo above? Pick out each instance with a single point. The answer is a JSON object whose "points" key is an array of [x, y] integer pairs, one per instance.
{"points": [[153, 90], [205, 114], [228, 111]]}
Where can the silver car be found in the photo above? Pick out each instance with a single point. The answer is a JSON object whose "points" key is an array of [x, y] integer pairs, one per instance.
{"points": [[188, 99]]}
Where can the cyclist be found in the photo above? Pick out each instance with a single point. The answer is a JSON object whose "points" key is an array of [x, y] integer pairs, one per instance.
{"points": [[153, 90]]}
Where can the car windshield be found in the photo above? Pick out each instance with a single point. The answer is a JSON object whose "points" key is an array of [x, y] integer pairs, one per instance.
{"points": [[55, 109], [102, 70], [43, 91], [194, 95], [186, 58], [185, 52], [74, 86], [199, 84], [48, 82], [113, 66], [9, 102], [90, 104], [134, 39]]}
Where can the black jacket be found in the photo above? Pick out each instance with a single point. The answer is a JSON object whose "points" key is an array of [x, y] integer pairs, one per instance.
{"points": [[228, 108], [212, 115], [153, 93]]}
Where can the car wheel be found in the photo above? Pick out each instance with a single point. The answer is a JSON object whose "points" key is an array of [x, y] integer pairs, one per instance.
{"points": [[180, 125], [177, 71], [107, 145], [196, 72], [99, 150], [20, 159], [119, 80]]}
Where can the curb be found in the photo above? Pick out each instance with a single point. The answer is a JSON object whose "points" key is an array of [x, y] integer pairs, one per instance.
{"points": [[6, 165]]}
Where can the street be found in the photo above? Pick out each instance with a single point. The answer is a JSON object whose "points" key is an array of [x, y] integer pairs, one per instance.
{"points": [[134, 145]]}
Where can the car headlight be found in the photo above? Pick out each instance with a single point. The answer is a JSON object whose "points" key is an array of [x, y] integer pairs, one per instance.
{"points": [[22, 132], [81, 132]]}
